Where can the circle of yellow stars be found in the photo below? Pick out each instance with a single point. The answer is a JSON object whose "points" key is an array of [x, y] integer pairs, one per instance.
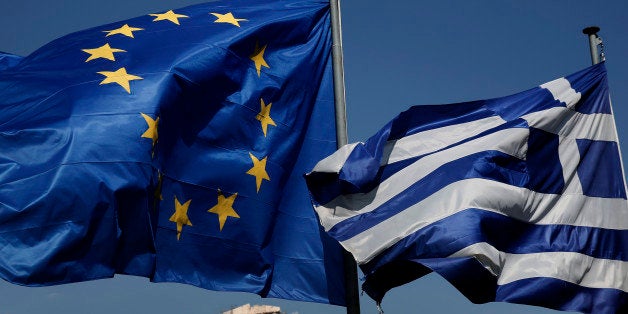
{"points": [[224, 207]]}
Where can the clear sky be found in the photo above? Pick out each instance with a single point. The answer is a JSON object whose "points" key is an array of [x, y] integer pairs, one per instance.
{"points": [[398, 53]]}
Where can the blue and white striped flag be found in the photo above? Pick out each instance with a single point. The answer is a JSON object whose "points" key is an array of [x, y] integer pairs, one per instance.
{"points": [[518, 199]]}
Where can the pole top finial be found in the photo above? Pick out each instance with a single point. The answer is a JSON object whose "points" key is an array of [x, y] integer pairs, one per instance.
{"points": [[591, 30]]}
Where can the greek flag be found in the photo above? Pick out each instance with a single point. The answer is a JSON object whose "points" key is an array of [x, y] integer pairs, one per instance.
{"points": [[518, 199]]}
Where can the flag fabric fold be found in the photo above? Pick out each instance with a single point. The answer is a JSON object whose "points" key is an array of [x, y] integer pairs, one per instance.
{"points": [[172, 146], [8, 60], [519, 199]]}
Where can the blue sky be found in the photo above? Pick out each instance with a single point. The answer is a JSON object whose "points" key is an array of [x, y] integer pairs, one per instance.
{"points": [[397, 53]]}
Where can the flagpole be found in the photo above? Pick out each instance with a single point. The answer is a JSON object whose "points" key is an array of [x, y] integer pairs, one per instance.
{"points": [[339, 76], [350, 267], [594, 41]]}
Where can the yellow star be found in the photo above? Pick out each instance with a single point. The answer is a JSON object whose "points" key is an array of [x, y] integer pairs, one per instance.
{"points": [[105, 52], [264, 116], [258, 171], [180, 215], [119, 76], [151, 132], [258, 58], [227, 18], [125, 30], [224, 208], [170, 16]]}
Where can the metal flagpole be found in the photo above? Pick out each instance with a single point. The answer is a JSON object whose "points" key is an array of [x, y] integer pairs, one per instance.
{"points": [[594, 41], [350, 267], [339, 75]]}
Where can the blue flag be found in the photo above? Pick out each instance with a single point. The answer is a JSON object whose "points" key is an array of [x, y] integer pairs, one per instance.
{"points": [[173, 146], [519, 199], [8, 60]]}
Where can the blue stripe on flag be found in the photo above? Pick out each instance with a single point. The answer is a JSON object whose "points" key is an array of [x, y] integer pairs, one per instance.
{"points": [[422, 118], [493, 165], [572, 297], [479, 286], [452, 234], [390, 168], [592, 84], [514, 106], [544, 166], [361, 171], [599, 164]]}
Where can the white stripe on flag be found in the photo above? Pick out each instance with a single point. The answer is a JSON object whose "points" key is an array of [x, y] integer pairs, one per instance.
{"points": [[334, 162], [519, 203], [562, 91], [432, 140], [509, 141], [569, 156], [572, 267], [572, 124]]}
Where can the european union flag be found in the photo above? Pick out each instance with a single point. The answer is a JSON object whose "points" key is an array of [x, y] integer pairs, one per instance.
{"points": [[8, 60], [172, 146]]}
